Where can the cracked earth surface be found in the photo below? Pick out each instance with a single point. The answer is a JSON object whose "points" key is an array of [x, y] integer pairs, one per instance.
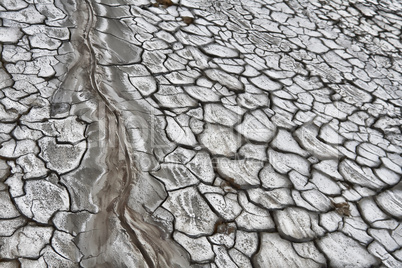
{"points": [[184, 133]]}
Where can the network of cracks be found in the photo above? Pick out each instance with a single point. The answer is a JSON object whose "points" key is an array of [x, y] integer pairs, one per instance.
{"points": [[198, 133]]}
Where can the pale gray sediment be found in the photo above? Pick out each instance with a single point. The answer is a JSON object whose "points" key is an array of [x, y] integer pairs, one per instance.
{"points": [[141, 244], [200, 133]]}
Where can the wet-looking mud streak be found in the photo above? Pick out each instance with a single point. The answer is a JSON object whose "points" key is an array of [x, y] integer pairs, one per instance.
{"points": [[195, 133]]}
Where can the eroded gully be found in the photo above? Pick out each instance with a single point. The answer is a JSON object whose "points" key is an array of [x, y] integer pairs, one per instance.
{"points": [[115, 222]]}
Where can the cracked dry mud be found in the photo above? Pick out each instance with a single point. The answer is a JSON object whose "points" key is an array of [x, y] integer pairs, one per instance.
{"points": [[198, 133]]}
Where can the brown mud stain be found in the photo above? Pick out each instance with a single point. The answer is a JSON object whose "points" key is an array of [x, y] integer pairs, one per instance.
{"points": [[342, 209]]}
